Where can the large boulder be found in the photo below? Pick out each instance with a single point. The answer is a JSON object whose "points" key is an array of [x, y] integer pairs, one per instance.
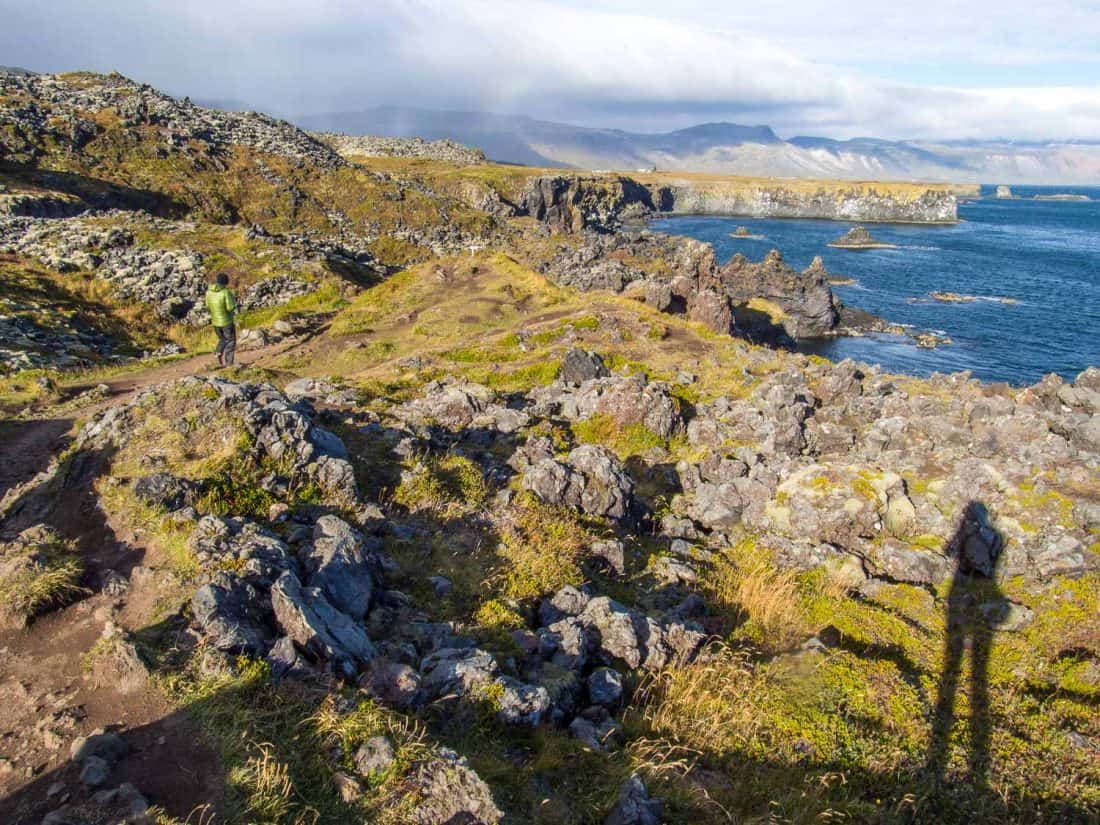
{"points": [[521, 703], [591, 479], [457, 670], [626, 400], [459, 404], [339, 564], [233, 615], [258, 554], [578, 366], [311, 621], [707, 307], [448, 791], [166, 491]]}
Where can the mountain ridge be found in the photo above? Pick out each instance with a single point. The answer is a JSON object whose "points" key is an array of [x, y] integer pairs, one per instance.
{"points": [[729, 148]]}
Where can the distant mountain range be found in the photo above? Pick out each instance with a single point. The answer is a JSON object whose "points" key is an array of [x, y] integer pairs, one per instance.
{"points": [[729, 148]]}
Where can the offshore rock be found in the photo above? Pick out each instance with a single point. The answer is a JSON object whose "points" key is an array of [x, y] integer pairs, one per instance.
{"points": [[688, 281], [859, 238]]}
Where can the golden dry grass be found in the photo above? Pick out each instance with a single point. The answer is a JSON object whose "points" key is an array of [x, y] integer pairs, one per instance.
{"points": [[269, 791]]}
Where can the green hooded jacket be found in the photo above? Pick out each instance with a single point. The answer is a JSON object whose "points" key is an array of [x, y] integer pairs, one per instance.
{"points": [[222, 305]]}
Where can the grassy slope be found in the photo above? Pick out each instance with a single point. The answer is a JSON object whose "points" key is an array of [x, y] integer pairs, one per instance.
{"points": [[756, 732]]}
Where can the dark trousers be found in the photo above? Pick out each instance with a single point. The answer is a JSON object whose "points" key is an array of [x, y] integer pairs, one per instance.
{"points": [[227, 343]]}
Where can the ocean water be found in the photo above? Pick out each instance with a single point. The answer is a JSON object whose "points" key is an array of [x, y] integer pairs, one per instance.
{"points": [[1043, 255]]}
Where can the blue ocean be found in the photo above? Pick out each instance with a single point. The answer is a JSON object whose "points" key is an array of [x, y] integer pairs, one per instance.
{"points": [[1042, 255]]}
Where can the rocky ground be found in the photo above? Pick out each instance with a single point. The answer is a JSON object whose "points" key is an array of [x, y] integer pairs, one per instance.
{"points": [[366, 146], [534, 529]]}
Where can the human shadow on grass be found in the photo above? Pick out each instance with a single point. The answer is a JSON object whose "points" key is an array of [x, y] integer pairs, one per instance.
{"points": [[975, 550]]}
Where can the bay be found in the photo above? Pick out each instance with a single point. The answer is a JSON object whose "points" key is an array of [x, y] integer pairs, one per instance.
{"points": [[1031, 266]]}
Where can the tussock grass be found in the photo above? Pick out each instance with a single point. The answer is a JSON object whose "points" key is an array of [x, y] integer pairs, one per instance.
{"points": [[713, 704], [541, 548], [772, 607], [269, 791], [449, 482], [625, 440], [762, 601], [37, 577], [351, 728]]}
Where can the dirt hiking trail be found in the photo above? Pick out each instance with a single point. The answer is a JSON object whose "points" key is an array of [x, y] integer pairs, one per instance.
{"points": [[51, 690]]}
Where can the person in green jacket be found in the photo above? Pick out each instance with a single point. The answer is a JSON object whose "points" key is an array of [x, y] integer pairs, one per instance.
{"points": [[222, 305]]}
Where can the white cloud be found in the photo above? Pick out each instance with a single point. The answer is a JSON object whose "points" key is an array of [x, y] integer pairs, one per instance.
{"points": [[638, 64]]}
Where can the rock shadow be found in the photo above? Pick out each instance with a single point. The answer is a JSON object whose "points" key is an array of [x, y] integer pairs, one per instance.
{"points": [[759, 328], [96, 193]]}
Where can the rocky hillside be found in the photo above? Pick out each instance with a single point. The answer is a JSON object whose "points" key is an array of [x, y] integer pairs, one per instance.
{"points": [[510, 513], [373, 147]]}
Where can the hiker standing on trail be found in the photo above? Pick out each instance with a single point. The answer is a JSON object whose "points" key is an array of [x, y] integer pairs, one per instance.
{"points": [[222, 305]]}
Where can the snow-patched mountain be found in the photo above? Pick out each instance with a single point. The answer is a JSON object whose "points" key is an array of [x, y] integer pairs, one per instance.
{"points": [[729, 148]]}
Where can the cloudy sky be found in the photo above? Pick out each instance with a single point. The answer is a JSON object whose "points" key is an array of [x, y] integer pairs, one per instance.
{"points": [[933, 69]]}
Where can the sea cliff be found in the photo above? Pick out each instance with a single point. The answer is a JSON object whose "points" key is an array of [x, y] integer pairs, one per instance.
{"points": [[869, 202], [571, 201]]}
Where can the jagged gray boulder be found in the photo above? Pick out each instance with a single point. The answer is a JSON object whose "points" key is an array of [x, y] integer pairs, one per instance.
{"points": [[307, 617], [521, 703], [393, 683], [591, 479], [637, 639], [457, 670], [626, 400], [232, 614], [605, 686], [258, 554], [635, 806], [459, 404], [578, 366], [287, 662], [449, 791], [374, 756], [568, 601], [339, 564], [95, 772], [317, 389], [105, 745], [166, 491]]}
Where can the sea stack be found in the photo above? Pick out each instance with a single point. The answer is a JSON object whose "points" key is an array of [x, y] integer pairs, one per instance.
{"points": [[859, 238], [1004, 192]]}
